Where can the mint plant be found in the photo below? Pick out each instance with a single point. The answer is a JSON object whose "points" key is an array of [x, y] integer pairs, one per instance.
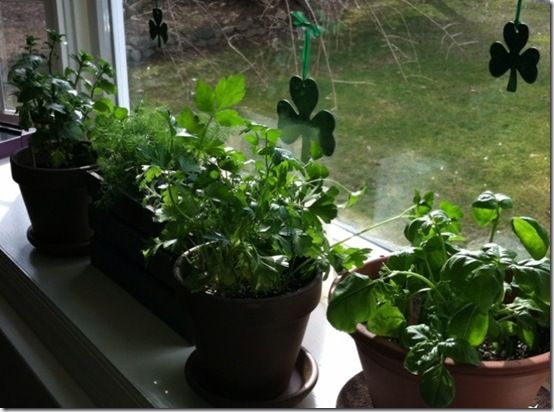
{"points": [[438, 300], [58, 105], [248, 225]]}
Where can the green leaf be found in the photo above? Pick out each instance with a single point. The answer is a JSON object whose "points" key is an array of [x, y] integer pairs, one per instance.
{"points": [[460, 351], [188, 120], [386, 320], [453, 211], [229, 91], [316, 170], [532, 235], [354, 197], [325, 207], [120, 113], [229, 118], [485, 208], [470, 324], [252, 139], [204, 97], [349, 303], [532, 277], [528, 336], [103, 105], [106, 85], [421, 357], [415, 334], [437, 387]]}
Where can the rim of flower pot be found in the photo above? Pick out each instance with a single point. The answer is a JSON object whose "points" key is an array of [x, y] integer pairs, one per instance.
{"points": [[492, 367], [304, 289], [14, 158]]}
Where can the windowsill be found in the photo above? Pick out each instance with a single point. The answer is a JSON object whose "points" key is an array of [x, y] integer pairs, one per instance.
{"points": [[112, 349]]}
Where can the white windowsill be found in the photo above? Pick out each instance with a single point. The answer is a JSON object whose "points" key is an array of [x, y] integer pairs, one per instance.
{"points": [[103, 347]]}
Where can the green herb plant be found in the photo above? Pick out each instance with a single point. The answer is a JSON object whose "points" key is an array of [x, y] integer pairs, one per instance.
{"points": [[248, 226], [438, 300], [59, 105]]}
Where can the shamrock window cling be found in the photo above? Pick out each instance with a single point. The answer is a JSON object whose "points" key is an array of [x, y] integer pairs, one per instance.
{"points": [[317, 132], [158, 28], [516, 35]]}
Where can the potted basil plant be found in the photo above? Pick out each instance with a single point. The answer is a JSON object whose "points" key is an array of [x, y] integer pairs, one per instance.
{"points": [[439, 325], [249, 232], [51, 170]]}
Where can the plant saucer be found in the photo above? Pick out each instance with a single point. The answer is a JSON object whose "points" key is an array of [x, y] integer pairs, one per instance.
{"points": [[304, 378], [58, 249]]}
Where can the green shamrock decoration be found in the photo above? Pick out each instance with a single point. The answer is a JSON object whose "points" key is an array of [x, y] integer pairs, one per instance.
{"points": [[316, 132], [516, 37], [157, 27]]}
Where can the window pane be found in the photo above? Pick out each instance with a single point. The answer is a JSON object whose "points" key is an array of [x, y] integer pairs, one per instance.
{"points": [[18, 19], [407, 80]]}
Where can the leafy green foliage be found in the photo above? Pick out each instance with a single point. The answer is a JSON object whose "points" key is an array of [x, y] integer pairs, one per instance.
{"points": [[247, 225], [532, 235], [58, 105], [125, 143], [442, 301]]}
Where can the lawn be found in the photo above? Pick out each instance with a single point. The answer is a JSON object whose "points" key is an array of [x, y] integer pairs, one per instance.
{"points": [[436, 120]]}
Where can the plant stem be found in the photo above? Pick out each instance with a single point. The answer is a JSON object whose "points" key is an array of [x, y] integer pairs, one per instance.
{"points": [[376, 225], [493, 229], [425, 280]]}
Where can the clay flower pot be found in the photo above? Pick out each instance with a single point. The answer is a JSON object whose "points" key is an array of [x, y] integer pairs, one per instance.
{"points": [[246, 349], [492, 384], [57, 203]]}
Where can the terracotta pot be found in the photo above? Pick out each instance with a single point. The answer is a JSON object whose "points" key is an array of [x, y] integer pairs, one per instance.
{"points": [[57, 203], [492, 384], [248, 347]]}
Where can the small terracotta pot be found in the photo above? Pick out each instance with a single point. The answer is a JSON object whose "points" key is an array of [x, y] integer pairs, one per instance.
{"points": [[492, 384], [248, 347], [57, 203]]}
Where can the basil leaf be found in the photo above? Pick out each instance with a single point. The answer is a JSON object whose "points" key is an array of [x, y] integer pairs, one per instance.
{"points": [[437, 387], [533, 278], [386, 320], [421, 357], [470, 324], [485, 208], [415, 334], [460, 351], [348, 305], [532, 235]]}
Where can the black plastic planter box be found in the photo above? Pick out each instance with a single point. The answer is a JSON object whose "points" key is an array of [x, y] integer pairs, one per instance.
{"points": [[120, 234]]}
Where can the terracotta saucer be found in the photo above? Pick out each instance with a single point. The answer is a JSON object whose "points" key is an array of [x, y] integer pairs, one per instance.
{"points": [[355, 394], [304, 378]]}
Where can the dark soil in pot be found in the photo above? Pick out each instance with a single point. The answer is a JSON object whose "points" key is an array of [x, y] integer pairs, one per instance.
{"points": [[248, 347], [57, 203]]}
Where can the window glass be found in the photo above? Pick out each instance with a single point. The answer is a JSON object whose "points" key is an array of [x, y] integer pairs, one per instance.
{"points": [[407, 80], [18, 19]]}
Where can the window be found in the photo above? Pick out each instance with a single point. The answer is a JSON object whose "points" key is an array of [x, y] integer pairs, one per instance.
{"points": [[18, 19], [407, 81]]}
